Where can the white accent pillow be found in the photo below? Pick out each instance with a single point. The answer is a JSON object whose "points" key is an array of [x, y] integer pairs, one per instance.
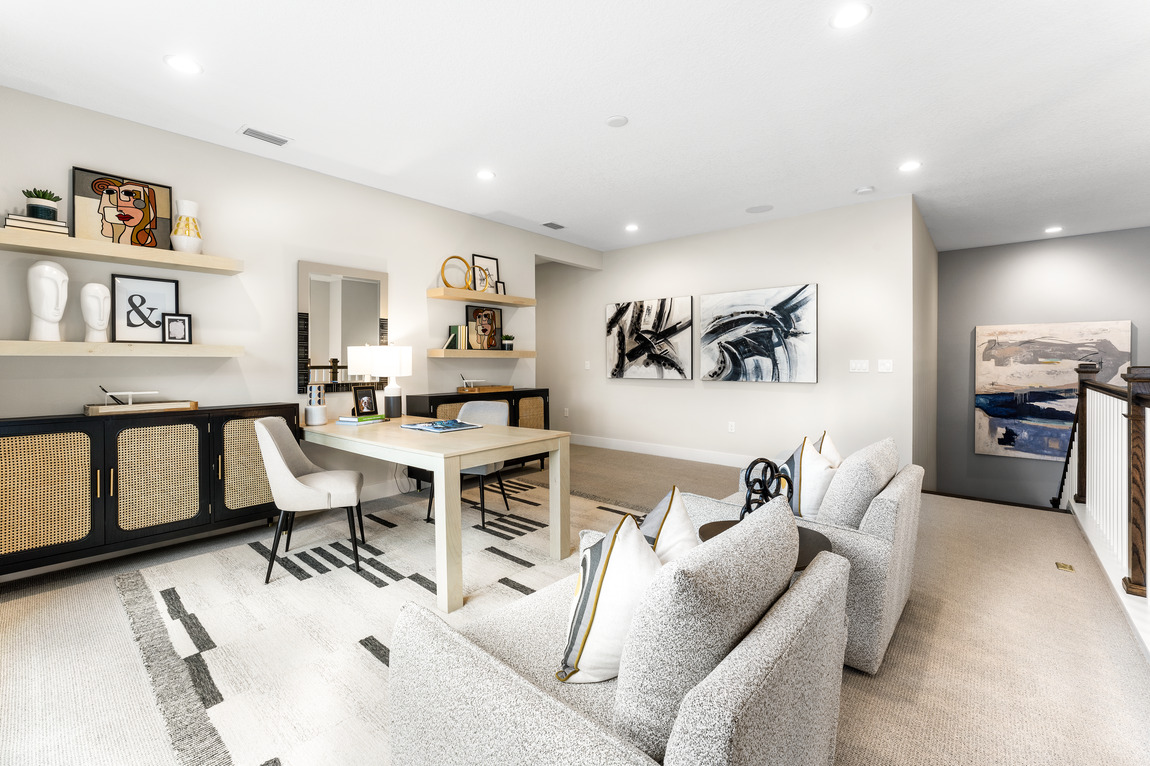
{"points": [[827, 449], [668, 527], [810, 474], [613, 575]]}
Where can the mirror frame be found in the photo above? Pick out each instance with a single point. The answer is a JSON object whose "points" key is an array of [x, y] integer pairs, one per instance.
{"points": [[303, 302]]}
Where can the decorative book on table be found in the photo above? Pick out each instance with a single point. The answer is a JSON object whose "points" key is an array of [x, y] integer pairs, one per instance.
{"points": [[361, 420], [441, 426]]}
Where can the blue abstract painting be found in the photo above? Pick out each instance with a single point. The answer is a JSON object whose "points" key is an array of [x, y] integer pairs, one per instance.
{"points": [[1025, 386]]}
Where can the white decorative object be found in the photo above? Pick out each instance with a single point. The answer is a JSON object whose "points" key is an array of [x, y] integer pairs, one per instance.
{"points": [[315, 413], [47, 294], [392, 362], [96, 305], [186, 231]]}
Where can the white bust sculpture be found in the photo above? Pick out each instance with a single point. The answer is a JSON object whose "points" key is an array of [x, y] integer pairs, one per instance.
{"points": [[96, 304], [47, 293]]}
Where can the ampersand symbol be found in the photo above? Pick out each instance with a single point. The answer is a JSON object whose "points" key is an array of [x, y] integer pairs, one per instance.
{"points": [[135, 304]]}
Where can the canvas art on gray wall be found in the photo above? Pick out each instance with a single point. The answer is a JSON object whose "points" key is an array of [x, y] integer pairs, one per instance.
{"points": [[1025, 386], [649, 339], [769, 334]]}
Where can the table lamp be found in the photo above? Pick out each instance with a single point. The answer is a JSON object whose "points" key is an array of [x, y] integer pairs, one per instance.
{"points": [[391, 362], [359, 360]]}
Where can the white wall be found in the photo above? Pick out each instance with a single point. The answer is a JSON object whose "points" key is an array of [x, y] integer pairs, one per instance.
{"points": [[861, 257], [925, 350], [270, 215]]}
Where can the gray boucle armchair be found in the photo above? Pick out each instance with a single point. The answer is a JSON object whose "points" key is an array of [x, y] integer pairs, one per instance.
{"points": [[871, 519], [486, 694]]}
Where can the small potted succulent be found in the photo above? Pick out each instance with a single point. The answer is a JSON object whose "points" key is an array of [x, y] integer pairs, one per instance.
{"points": [[41, 204], [508, 342]]}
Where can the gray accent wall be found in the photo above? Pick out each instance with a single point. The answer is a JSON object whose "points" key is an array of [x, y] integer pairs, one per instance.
{"points": [[1067, 279]]}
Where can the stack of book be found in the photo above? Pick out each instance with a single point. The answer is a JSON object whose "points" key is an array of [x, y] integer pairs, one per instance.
{"points": [[456, 336], [361, 420], [36, 224]]}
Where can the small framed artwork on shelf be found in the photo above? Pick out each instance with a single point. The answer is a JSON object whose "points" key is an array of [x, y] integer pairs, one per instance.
{"points": [[177, 328], [112, 208], [486, 272], [500, 288], [364, 401], [484, 326], [139, 305]]}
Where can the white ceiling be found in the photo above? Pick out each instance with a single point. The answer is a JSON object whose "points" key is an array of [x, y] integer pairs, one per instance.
{"points": [[1024, 113]]}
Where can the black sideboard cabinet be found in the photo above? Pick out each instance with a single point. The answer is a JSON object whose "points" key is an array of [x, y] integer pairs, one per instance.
{"points": [[72, 486]]}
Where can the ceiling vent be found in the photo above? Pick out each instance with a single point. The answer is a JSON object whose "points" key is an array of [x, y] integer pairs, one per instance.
{"points": [[555, 226], [269, 137]]}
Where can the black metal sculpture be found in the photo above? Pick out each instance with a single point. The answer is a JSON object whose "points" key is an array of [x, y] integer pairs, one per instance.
{"points": [[768, 484]]}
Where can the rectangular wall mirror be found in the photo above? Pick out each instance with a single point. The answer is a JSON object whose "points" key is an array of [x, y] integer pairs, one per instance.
{"points": [[339, 306]]}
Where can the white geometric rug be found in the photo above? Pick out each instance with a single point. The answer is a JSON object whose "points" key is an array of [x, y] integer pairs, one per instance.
{"points": [[295, 672]]}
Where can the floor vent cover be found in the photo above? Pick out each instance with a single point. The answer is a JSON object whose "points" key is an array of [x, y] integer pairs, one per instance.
{"points": [[1063, 567]]}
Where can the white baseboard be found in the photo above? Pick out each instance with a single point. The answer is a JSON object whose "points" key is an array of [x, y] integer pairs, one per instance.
{"points": [[665, 450]]}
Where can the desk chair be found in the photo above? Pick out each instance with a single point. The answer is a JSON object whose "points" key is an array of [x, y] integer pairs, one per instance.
{"points": [[300, 486], [487, 414]]}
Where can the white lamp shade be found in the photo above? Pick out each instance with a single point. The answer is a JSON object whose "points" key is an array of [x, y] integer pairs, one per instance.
{"points": [[391, 361], [359, 360]]}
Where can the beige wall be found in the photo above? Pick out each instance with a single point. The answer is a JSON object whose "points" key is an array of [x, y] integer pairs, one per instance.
{"points": [[270, 215], [862, 258]]}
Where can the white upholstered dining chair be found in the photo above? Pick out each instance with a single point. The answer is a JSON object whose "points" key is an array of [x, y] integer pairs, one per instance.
{"points": [[486, 413], [300, 486]]}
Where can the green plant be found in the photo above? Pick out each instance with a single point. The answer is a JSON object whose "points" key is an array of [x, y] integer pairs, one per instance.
{"points": [[41, 194], [508, 337]]}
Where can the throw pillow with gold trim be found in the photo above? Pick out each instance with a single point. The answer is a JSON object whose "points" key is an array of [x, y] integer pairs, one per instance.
{"points": [[668, 527], [827, 449], [809, 474], [613, 574]]}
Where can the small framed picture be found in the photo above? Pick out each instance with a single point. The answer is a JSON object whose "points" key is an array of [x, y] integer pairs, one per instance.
{"points": [[177, 328], [364, 400], [489, 265], [484, 327], [500, 288], [138, 308]]}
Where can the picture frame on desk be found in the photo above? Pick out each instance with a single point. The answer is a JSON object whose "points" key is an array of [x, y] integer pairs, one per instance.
{"points": [[364, 401], [138, 308]]}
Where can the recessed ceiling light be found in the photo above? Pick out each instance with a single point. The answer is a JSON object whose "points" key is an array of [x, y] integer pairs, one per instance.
{"points": [[485, 175], [910, 166], [185, 64], [632, 227], [850, 15], [761, 209], [1053, 229], [864, 190], [617, 121]]}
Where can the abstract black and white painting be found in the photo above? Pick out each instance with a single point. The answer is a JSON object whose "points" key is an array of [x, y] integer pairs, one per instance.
{"points": [[649, 339], [1025, 386], [770, 334]]}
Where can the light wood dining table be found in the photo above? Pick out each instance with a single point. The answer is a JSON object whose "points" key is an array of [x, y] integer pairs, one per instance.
{"points": [[445, 454]]}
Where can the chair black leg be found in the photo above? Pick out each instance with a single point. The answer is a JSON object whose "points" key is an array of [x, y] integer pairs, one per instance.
{"points": [[354, 540], [482, 505], [284, 515], [430, 500], [502, 491], [359, 513], [290, 528]]}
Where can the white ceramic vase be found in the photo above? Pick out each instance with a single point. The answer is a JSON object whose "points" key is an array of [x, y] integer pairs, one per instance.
{"points": [[186, 231]]}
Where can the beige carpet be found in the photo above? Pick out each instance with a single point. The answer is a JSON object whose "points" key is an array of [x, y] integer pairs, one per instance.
{"points": [[1000, 658]]}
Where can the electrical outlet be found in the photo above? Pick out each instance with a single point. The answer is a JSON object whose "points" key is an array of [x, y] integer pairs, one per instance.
{"points": [[586, 365], [566, 412], [731, 427], [860, 365], [886, 365]]}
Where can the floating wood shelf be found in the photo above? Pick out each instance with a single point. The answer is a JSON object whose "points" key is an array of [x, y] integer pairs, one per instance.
{"points": [[474, 296], [61, 246], [68, 348], [458, 353]]}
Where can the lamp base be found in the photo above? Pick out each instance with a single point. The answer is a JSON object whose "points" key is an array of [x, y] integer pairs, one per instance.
{"points": [[392, 401]]}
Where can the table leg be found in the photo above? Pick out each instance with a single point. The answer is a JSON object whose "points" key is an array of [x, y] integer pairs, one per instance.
{"points": [[560, 499], [448, 531]]}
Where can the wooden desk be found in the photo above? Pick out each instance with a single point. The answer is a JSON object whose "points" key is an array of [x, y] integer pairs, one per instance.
{"points": [[445, 455]]}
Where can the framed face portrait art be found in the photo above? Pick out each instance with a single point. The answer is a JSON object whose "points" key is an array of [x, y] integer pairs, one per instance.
{"points": [[111, 208], [484, 327], [138, 308]]}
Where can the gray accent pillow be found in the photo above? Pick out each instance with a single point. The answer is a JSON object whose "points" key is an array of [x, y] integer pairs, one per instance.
{"points": [[858, 479], [697, 608]]}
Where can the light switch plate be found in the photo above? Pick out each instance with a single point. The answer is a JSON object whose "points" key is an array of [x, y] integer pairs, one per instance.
{"points": [[886, 365], [860, 365]]}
